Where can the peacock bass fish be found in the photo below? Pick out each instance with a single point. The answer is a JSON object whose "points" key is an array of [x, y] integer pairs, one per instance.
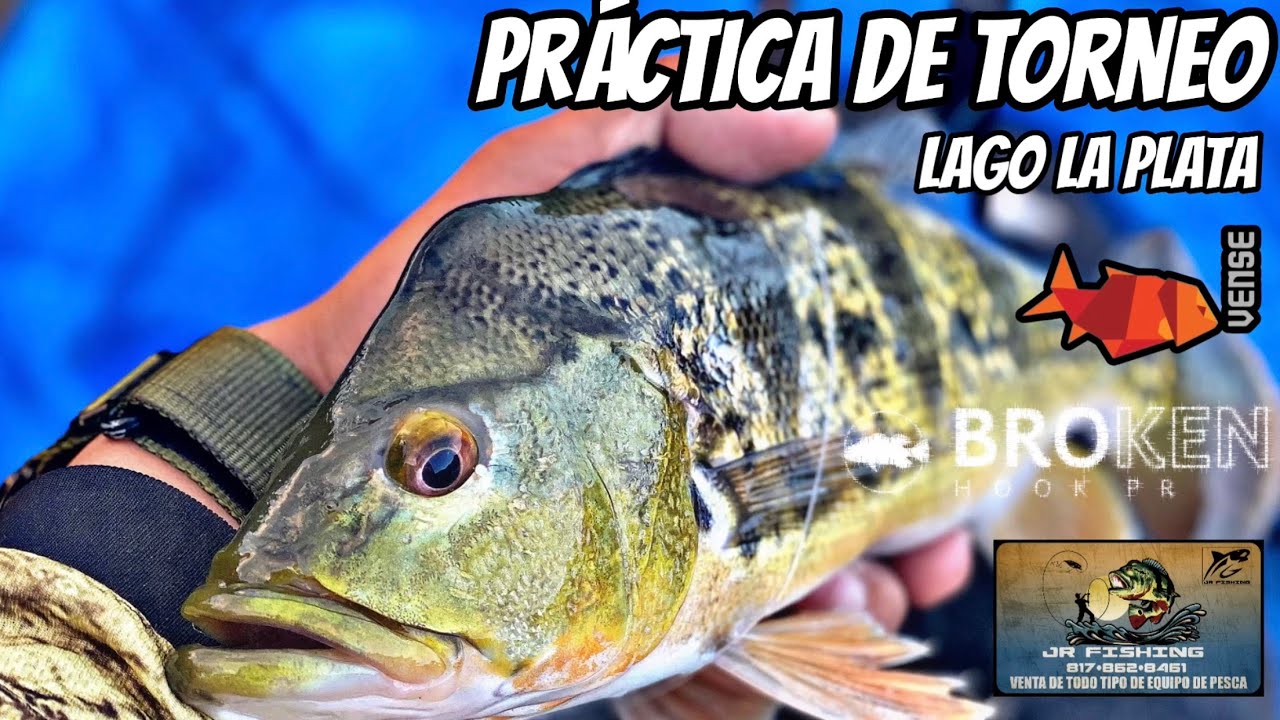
{"points": [[593, 443], [1146, 586]]}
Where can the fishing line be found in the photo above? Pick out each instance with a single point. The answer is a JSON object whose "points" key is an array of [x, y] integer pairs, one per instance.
{"points": [[813, 232]]}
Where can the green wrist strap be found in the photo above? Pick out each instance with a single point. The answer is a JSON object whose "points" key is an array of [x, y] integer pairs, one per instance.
{"points": [[222, 411]]}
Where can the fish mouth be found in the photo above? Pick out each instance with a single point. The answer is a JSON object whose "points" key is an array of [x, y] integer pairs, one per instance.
{"points": [[1119, 584], [306, 645]]}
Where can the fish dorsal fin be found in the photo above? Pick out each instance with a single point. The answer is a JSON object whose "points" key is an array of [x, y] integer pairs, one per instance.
{"points": [[711, 694], [1062, 273], [1110, 269], [831, 665], [1155, 564]]}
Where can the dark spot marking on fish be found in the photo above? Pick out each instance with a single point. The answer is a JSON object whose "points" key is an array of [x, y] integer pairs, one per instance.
{"points": [[676, 280], [679, 316], [568, 352], [901, 350], [701, 512], [856, 335], [995, 277], [366, 526], [727, 228], [735, 422], [817, 328], [747, 540], [648, 288], [895, 275], [872, 479], [962, 330], [33, 696]]}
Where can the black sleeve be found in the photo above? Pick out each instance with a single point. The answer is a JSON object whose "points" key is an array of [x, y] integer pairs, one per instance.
{"points": [[148, 542]]}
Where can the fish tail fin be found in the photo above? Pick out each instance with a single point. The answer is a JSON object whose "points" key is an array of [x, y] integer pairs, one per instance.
{"points": [[825, 663], [1062, 276], [1043, 305]]}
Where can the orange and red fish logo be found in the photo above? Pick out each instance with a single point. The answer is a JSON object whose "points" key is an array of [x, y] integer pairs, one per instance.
{"points": [[1129, 313]]}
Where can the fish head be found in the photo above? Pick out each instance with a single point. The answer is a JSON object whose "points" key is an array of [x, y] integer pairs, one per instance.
{"points": [[1190, 311], [459, 556], [454, 535], [1131, 581]]}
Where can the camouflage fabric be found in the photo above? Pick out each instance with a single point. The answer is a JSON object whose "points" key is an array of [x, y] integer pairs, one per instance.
{"points": [[70, 648]]}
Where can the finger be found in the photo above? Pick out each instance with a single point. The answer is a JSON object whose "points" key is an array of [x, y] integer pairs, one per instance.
{"points": [[733, 143], [750, 146], [866, 586], [937, 571], [737, 144]]}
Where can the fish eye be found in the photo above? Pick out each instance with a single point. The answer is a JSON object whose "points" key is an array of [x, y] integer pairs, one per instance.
{"points": [[431, 454]]}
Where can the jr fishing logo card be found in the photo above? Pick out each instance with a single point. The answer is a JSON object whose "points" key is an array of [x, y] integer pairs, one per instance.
{"points": [[1128, 618]]}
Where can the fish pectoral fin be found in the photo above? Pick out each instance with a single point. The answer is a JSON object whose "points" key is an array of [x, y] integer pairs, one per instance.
{"points": [[832, 665], [774, 487], [710, 694]]}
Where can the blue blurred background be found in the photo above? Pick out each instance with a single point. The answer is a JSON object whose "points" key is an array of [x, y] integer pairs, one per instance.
{"points": [[169, 168]]}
